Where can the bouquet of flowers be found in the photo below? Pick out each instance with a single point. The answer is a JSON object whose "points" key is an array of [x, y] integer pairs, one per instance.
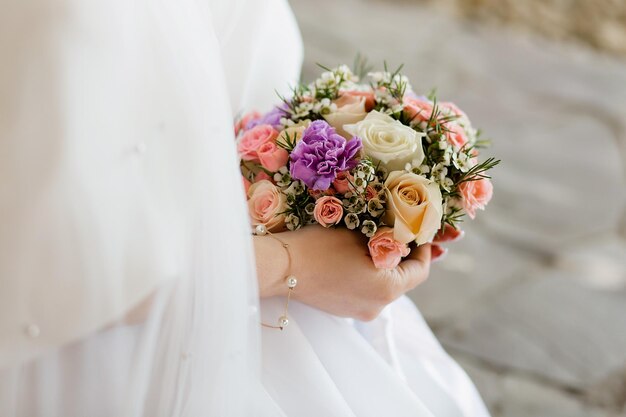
{"points": [[371, 156]]}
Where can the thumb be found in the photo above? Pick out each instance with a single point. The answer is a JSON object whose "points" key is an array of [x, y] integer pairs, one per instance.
{"points": [[416, 266]]}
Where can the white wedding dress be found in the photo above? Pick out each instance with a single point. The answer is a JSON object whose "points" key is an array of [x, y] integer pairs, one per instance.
{"points": [[119, 184]]}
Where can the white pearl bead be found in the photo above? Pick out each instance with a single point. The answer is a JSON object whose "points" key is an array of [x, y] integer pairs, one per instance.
{"points": [[261, 230], [292, 281], [32, 330], [283, 321]]}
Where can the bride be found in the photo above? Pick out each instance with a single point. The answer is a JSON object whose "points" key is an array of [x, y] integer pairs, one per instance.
{"points": [[127, 278]]}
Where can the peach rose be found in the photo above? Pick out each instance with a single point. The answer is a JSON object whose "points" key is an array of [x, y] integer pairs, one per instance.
{"points": [[342, 182], [328, 211], [272, 157], [370, 101], [266, 205], [417, 109], [456, 135], [350, 110], [252, 140], [414, 207], [476, 195], [247, 118], [386, 252]]}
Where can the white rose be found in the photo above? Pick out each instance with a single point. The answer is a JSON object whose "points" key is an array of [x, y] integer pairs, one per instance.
{"points": [[387, 140]]}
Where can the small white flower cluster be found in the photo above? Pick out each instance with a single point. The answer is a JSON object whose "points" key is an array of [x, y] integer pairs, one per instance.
{"points": [[387, 89], [302, 110], [387, 79], [282, 178], [292, 222], [330, 82], [292, 189], [390, 105], [444, 159], [325, 106], [286, 122], [439, 174], [365, 203]]}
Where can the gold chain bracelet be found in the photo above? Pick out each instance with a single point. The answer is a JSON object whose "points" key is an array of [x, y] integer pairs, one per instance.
{"points": [[291, 280]]}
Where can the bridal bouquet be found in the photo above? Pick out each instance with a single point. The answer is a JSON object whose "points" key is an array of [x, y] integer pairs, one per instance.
{"points": [[371, 156]]}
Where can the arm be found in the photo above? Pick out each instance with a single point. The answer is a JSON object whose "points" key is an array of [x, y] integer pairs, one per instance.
{"points": [[335, 272]]}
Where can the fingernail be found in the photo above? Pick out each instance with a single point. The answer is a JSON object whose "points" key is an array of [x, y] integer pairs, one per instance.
{"points": [[459, 236], [438, 254]]}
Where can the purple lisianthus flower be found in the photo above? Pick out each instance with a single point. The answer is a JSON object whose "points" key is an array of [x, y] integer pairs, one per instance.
{"points": [[321, 154], [271, 118]]}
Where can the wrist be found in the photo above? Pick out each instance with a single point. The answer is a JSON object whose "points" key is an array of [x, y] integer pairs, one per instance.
{"points": [[273, 261]]}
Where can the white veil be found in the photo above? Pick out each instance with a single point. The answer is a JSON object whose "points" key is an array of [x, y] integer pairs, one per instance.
{"points": [[119, 188]]}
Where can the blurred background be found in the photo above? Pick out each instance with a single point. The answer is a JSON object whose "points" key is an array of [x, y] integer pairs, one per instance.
{"points": [[532, 303]]}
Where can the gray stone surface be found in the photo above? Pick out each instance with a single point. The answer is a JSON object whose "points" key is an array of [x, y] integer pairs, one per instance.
{"points": [[514, 395], [464, 277], [533, 301], [552, 325]]}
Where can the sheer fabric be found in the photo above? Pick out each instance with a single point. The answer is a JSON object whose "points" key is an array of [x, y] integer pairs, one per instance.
{"points": [[119, 184]]}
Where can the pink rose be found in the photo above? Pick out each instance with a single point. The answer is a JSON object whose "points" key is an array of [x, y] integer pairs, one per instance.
{"points": [[246, 184], [451, 108], [342, 182], [247, 118], [474, 154], [370, 193], [266, 205], [476, 195], [252, 140], [328, 211], [456, 135], [272, 157], [316, 194], [386, 252], [417, 109], [262, 176]]}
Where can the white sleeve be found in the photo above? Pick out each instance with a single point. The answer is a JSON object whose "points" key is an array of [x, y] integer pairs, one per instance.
{"points": [[82, 231]]}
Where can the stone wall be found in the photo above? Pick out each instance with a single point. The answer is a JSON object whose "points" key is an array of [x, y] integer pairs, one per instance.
{"points": [[598, 23]]}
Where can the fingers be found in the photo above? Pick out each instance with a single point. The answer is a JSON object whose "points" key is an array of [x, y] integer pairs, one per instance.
{"points": [[415, 268], [449, 234], [438, 253]]}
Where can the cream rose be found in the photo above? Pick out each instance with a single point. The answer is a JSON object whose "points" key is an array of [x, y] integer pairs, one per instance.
{"points": [[293, 132], [350, 110], [414, 207], [388, 141], [266, 205]]}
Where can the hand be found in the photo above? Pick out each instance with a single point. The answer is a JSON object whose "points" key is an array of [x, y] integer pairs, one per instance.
{"points": [[336, 274], [447, 234]]}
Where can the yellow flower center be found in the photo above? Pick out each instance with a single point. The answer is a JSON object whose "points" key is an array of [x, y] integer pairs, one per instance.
{"points": [[410, 196]]}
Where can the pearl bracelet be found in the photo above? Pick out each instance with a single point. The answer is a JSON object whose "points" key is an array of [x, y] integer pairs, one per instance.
{"points": [[291, 280]]}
